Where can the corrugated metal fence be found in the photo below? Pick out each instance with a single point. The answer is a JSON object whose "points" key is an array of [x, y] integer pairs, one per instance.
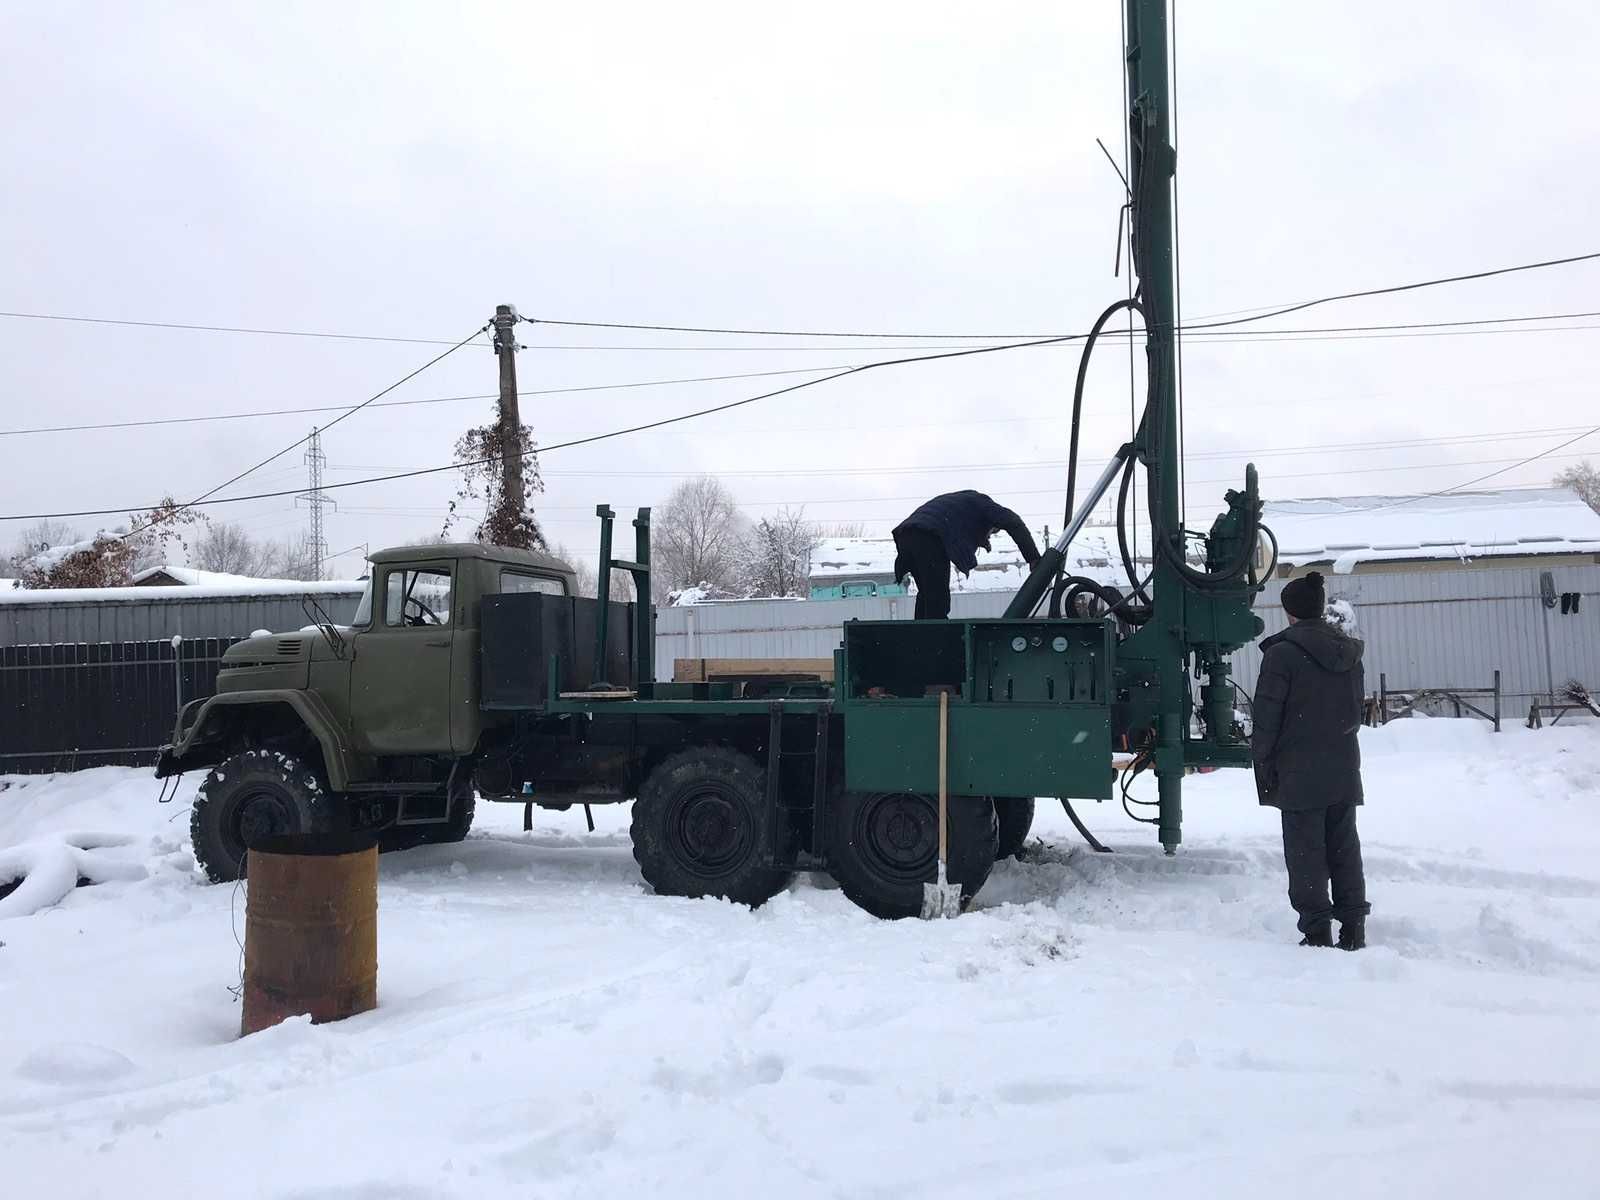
{"points": [[96, 704], [90, 680], [150, 614], [1437, 629]]}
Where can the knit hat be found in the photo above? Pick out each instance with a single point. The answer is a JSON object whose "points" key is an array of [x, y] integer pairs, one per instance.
{"points": [[1304, 598]]}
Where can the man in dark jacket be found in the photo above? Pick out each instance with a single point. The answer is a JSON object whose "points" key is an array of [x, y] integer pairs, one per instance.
{"points": [[949, 529], [1308, 708]]}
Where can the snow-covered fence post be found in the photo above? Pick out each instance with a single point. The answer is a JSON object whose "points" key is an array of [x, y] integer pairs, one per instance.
{"points": [[177, 672]]}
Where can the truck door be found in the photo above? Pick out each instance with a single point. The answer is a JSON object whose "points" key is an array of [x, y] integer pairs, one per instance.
{"points": [[400, 676]]}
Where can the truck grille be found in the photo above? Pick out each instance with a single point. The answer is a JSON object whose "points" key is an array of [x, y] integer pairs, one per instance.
{"points": [[289, 648]]}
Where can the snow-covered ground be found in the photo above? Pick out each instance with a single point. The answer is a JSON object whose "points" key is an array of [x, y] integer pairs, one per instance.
{"points": [[1123, 1025]]}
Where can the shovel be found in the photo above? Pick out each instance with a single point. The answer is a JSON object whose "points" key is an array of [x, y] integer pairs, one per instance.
{"points": [[942, 899]]}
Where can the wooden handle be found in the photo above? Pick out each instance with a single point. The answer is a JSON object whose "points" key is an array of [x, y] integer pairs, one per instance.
{"points": [[944, 758]]}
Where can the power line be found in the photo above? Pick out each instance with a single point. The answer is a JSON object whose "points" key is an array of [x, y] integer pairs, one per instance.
{"points": [[423, 510], [319, 408], [1380, 446], [1395, 289], [719, 408], [349, 412], [299, 333], [600, 437], [661, 328], [1197, 334], [947, 468], [298, 442], [1460, 487], [1266, 335]]}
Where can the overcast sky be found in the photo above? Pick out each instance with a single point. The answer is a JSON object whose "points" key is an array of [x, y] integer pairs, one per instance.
{"points": [[398, 169]]}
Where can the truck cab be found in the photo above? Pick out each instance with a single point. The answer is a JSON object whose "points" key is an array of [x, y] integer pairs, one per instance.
{"points": [[414, 679], [372, 725]]}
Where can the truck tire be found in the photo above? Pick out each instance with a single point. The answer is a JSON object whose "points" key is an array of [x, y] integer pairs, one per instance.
{"points": [[883, 846], [1014, 818], [254, 794], [700, 826]]}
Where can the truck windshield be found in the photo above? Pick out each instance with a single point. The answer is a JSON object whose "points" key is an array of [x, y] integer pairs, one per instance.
{"points": [[364, 607]]}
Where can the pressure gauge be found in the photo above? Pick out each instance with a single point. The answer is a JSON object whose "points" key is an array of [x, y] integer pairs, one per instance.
{"points": [[1019, 643], [1059, 645]]}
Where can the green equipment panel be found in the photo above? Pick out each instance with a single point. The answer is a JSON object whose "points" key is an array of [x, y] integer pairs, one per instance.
{"points": [[1029, 706]]}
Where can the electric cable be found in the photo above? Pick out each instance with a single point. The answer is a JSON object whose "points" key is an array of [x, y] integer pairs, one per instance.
{"points": [[1256, 336], [283, 412], [299, 333], [206, 498], [206, 495]]}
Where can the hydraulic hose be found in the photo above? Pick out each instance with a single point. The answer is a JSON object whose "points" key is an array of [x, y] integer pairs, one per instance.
{"points": [[1077, 392], [1272, 564]]}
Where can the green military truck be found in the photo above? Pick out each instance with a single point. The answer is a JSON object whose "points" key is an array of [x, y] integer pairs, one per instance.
{"points": [[474, 671]]}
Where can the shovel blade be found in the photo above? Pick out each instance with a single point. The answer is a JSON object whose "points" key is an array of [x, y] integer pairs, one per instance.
{"points": [[941, 899]]}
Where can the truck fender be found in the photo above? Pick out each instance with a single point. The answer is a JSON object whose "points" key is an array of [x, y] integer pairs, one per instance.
{"points": [[199, 721]]}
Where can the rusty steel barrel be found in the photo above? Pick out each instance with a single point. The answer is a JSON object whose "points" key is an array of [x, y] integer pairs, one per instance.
{"points": [[311, 929]]}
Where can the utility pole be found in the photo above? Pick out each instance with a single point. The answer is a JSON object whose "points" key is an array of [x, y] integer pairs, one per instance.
{"points": [[316, 500], [505, 348]]}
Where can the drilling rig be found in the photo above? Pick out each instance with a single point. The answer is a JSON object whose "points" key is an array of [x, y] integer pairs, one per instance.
{"points": [[467, 673]]}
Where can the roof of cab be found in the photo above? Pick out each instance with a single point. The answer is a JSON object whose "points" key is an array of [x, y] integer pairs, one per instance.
{"points": [[535, 559]]}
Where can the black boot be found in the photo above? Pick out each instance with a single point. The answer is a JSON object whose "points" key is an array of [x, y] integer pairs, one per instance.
{"points": [[1319, 935], [1353, 935]]}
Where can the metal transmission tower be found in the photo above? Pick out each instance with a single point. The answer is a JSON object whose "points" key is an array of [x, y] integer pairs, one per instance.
{"points": [[316, 501]]}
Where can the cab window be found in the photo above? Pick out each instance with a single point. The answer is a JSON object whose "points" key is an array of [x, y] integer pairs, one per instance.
{"points": [[417, 597], [512, 582]]}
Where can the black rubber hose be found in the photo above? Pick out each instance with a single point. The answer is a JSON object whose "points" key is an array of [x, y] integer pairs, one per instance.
{"points": [[1210, 580], [1117, 604], [1140, 589], [1272, 565], [1077, 394], [1094, 842]]}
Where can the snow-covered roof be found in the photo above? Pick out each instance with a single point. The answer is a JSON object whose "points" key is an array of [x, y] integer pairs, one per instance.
{"points": [[192, 577], [143, 595], [1348, 530], [1093, 554]]}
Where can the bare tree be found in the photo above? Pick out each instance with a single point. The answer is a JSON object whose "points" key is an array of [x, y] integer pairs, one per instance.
{"points": [[699, 538], [1584, 479], [778, 557], [228, 550], [295, 558], [39, 536], [586, 578], [111, 557]]}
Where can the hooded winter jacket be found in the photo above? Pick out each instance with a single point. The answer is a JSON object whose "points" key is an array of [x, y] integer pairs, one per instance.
{"points": [[1307, 712], [962, 522]]}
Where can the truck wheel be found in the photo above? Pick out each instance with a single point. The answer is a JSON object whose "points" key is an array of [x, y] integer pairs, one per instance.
{"points": [[255, 794], [1014, 817], [700, 824], [883, 846]]}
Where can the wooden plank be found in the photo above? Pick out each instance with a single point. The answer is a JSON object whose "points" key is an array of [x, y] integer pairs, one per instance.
{"points": [[710, 670], [605, 695]]}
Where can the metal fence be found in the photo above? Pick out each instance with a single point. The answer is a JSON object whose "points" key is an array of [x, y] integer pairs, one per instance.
{"points": [[95, 704], [144, 614], [1440, 629], [1452, 630]]}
